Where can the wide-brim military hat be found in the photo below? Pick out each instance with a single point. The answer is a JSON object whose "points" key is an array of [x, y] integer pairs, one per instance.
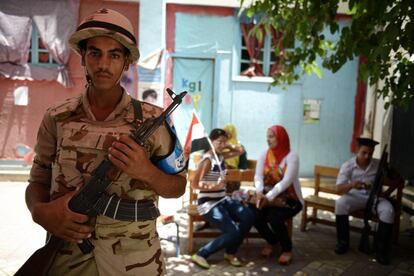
{"points": [[110, 23]]}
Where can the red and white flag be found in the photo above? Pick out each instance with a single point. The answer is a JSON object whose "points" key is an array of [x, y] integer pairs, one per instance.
{"points": [[196, 137]]}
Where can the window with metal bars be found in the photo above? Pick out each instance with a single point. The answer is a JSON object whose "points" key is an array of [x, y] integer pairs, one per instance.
{"points": [[261, 57], [38, 53]]}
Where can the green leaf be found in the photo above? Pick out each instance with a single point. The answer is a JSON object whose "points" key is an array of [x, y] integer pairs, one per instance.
{"points": [[250, 13], [318, 71], [259, 35]]}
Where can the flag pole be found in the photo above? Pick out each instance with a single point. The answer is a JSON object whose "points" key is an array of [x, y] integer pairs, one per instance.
{"points": [[215, 156], [222, 173]]}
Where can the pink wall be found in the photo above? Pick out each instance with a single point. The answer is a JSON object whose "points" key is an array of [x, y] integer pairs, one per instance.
{"points": [[19, 124]]}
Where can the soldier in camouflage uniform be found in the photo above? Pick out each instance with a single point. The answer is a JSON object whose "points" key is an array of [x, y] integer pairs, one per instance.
{"points": [[76, 135]]}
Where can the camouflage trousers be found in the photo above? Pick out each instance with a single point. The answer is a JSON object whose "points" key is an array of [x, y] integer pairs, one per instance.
{"points": [[118, 256]]}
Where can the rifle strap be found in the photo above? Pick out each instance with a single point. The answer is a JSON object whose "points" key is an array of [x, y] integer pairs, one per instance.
{"points": [[137, 109]]}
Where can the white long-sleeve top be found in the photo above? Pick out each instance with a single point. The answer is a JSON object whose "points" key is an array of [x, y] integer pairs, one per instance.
{"points": [[291, 176]]}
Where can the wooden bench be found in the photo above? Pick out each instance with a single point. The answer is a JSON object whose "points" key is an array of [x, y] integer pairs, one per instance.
{"points": [[246, 178], [325, 182]]}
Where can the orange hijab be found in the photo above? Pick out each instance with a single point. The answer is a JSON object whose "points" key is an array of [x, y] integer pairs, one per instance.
{"points": [[272, 172]]}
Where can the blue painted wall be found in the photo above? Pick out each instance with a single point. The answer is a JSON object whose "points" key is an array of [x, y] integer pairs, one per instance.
{"points": [[253, 107], [151, 25], [203, 34]]}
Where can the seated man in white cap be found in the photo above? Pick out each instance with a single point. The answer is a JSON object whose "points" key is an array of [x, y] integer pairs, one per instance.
{"points": [[75, 136], [354, 182]]}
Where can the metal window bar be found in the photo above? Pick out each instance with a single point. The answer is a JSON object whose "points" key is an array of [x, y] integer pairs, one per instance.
{"points": [[36, 50], [266, 55]]}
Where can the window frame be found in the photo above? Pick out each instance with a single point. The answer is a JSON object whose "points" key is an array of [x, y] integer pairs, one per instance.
{"points": [[34, 50], [266, 65]]}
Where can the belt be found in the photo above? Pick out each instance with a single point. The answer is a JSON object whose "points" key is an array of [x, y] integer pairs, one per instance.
{"points": [[127, 210]]}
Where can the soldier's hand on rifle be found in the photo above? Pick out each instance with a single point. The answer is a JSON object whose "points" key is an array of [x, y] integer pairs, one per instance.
{"points": [[134, 160], [128, 156], [56, 217]]}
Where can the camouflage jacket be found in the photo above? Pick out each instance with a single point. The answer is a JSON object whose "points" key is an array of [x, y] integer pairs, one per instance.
{"points": [[72, 143]]}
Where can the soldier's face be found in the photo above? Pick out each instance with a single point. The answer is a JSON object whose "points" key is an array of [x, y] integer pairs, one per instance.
{"points": [[105, 60], [364, 155]]}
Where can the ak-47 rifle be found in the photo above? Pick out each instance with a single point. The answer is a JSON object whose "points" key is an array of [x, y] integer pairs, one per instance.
{"points": [[364, 243], [87, 197]]}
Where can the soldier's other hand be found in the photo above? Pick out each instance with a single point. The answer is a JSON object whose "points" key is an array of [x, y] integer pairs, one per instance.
{"points": [[128, 156], [56, 217], [359, 185], [367, 186]]}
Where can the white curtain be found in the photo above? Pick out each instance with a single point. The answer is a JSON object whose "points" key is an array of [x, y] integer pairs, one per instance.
{"points": [[55, 21]]}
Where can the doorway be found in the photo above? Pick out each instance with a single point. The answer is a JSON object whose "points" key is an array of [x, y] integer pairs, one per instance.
{"points": [[196, 76]]}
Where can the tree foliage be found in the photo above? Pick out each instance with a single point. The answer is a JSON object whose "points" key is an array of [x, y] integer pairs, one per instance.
{"points": [[381, 32]]}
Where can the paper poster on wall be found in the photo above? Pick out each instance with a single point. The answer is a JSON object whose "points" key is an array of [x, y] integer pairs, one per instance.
{"points": [[311, 111], [149, 85], [127, 81]]}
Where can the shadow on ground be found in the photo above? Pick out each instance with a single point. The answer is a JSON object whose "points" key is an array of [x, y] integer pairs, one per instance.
{"points": [[313, 254]]}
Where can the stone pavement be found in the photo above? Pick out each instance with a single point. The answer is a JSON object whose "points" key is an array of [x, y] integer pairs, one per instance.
{"points": [[313, 250], [19, 235], [313, 255]]}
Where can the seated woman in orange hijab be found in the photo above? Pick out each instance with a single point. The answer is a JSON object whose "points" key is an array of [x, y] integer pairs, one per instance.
{"points": [[278, 192]]}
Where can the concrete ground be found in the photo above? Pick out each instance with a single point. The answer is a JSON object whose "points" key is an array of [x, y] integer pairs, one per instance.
{"points": [[313, 250]]}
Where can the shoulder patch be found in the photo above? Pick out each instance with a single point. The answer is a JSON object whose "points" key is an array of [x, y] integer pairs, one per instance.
{"points": [[64, 109]]}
